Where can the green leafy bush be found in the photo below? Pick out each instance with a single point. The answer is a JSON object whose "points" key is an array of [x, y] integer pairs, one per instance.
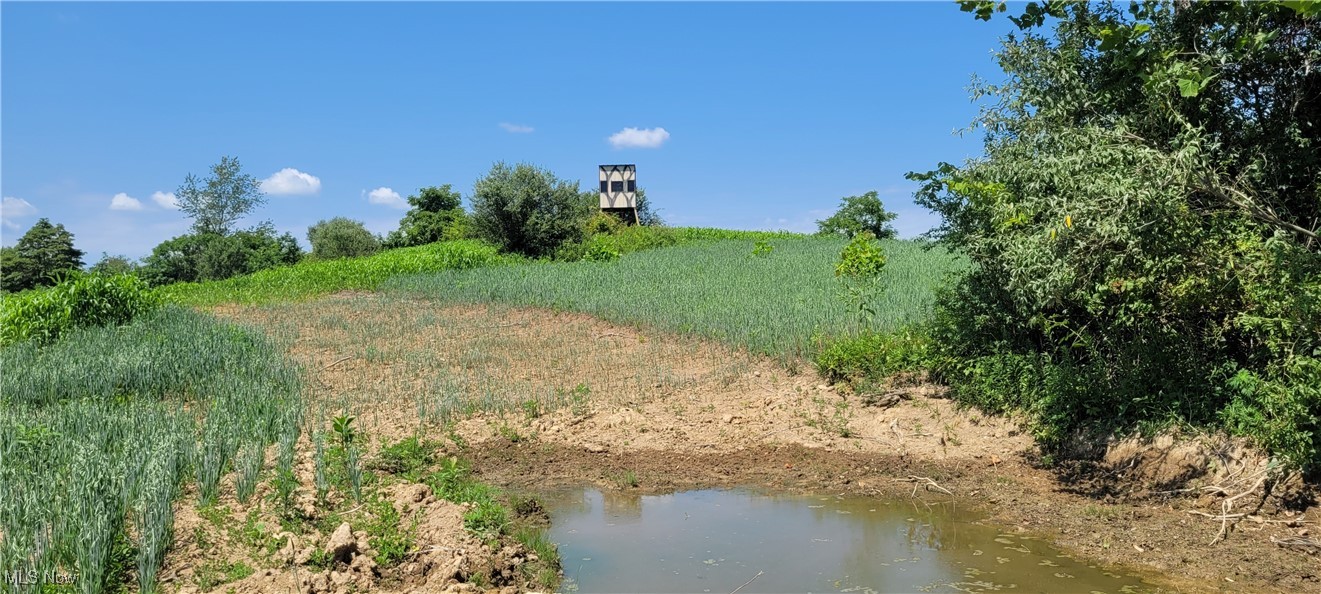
{"points": [[527, 210], [81, 300], [341, 237], [864, 361], [1145, 248], [436, 215]]}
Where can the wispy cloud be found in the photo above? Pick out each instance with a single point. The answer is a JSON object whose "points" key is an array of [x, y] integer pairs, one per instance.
{"points": [[639, 138], [166, 200], [387, 197], [14, 208], [123, 201], [516, 128], [291, 182]]}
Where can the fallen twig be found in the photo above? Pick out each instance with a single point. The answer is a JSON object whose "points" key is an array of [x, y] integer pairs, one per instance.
{"points": [[1296, 542], [337, 362], [923, 481], [746, 583]]}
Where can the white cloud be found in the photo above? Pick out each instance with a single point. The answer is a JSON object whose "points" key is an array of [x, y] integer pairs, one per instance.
{"points": [[12, 208], [387, 197], [639, 138], [290, 181], [166, 200], [123, 201], [515, 128]]}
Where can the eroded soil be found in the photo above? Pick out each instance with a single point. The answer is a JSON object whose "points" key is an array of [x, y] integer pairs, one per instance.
{"points": [[539, 399]]}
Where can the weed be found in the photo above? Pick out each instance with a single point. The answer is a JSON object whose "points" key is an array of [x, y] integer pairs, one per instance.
{"points": [[213, 574]]}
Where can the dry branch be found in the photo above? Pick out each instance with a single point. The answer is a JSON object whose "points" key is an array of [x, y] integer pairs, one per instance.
{"points": [[922, 481]]}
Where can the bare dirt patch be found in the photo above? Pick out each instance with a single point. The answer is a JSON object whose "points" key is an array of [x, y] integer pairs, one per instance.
{"points": [[540, 399]]}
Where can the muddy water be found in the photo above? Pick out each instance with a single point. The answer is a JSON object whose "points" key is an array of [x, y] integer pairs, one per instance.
{"points": [[716, 541]]}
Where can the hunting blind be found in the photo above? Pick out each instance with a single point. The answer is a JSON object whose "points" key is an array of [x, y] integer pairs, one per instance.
{"points": [[619, 186]]}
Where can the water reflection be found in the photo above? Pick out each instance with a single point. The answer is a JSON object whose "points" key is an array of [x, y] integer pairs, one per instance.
{"points": [[714, 541]]}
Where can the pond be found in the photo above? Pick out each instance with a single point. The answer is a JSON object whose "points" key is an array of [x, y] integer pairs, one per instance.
{"points": [[724, 540]]}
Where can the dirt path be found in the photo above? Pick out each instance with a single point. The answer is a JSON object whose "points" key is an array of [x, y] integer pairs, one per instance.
{"points": [[543, 399]]}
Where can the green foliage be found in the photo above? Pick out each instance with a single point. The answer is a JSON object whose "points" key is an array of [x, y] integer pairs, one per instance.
{"points": [[341, 238], [859, 272], [710, 288], [81, 300], [390, 539], [436, 215], [607, 240], [213, 574], [204, 257], [110, 265], [865, 361], [857, 215], [527, 210], [407, 458], [38, 258], [101, 428], [1142, 225], [313, 278], [217, 202]]}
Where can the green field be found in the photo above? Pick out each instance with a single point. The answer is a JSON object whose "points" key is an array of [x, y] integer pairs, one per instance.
{"points": [[102, 429], [320, 277], [773, 303]]}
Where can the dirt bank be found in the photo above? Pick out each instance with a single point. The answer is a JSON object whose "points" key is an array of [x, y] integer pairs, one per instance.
{"points": [[540, 399]]}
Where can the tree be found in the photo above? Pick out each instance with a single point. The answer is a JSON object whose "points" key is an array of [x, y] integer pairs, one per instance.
{"points": [[110, 265], [527, 210], [341, 238], [198, 257], [1143, 224], [217, 202], [858, 214], [40, 255], [437, 215]]}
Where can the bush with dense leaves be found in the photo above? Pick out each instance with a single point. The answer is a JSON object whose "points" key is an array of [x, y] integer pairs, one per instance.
{"points": [[81, 300], [341, 238], [1142, 227], [527, 210]]}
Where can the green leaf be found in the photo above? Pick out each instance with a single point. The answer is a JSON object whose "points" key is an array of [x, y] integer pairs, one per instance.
{"points": [[1189, 88]]}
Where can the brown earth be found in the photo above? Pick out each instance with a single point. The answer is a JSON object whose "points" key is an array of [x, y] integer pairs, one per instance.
{"points": [[542, 399]]}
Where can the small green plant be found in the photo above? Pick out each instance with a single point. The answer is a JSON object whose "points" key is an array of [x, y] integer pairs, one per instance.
{"points": [[831, 418], [509, 433], [343, 427], [390, 540], [213, 574], [859, 272], [408, 458], [762, 248], [627, 480], [531, 408]]}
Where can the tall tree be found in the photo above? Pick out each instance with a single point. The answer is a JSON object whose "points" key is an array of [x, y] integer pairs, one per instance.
{"points": [[43, 252], [437, 215], [858, 214], [217, 202]]}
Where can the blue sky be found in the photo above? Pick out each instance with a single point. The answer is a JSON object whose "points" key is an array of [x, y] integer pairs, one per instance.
{"points": [[738, 115]]}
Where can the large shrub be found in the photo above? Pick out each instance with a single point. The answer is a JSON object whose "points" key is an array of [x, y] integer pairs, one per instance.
{"points": [[1142, 226], [341, 238], [207, 256], [81, 300], [436, 215], [527, 210]]}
